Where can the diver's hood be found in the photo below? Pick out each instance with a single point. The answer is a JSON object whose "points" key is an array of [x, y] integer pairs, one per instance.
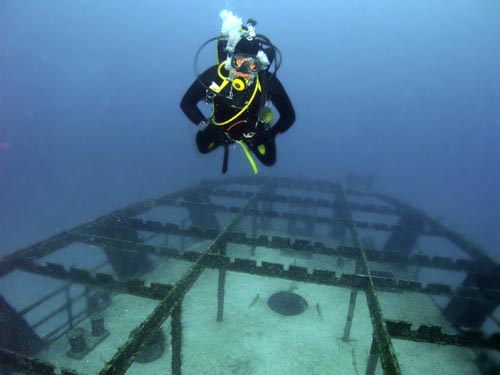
{"points": [[247, 47]]}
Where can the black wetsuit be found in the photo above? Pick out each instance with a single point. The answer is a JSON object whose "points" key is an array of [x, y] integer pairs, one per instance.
{"points": [[239, 122]]}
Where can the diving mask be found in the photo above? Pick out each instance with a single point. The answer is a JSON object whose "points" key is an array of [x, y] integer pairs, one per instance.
{"points": [[246, 64]]}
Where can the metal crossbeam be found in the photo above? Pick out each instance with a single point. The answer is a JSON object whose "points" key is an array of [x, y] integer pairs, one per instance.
{"points": [[283, 192], [317, 247], [122, 360], [105, 281], [434, 335], [322, 203], [479, 255], [46, 247], [304, 201], [324, 277], [383, 340], [29, 365]]}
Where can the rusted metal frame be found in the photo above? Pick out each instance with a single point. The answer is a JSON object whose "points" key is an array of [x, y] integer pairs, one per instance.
{"points": [[434, 335], [267, 214], [258, 212], [430, 231], [484, 262], [236, 237], [43, 248], [219, 260], [55, 334], [419, 260], [267, 269], [276, 198], [134, 287], [57, 311], [77, 318], [369, 225], [134, 209], [372, 357], [29, 365], [279, 243], [59, 241], [438, 229], [36, 251], [133, 247], [374, 225], [141, 207], [374, 209], [342, 215], [318, 202], [358, 281], [359, 193], [350, 315], [283, 182], [474, 251], [176, 333], [322, 186], [386, 283], [253, 232], [221, 286], [284, 242], [388, 357], [122, 360], [55, 292], [48, 246]]}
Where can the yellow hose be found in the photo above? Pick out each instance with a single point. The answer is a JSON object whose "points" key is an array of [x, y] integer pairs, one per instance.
{"points": [[249, 156]]}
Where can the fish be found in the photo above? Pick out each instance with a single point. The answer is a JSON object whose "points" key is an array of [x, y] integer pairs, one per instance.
{"points": [[318, 309], [254, 300]]}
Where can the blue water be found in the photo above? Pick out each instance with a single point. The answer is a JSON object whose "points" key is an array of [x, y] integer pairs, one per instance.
{"points": [[89, 104]]}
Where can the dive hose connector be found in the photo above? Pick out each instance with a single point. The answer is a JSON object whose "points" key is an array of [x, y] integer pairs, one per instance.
{"points": [[203, 124]]}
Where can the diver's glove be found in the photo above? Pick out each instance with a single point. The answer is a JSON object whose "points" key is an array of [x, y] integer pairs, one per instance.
{"points": [[203, 124]]}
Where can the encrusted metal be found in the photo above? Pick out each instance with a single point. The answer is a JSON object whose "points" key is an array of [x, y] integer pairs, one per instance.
{"points": [[261, 200]]}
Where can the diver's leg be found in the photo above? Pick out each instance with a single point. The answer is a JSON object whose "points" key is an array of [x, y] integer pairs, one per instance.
{"points": [[208, 139], [265, 150]]}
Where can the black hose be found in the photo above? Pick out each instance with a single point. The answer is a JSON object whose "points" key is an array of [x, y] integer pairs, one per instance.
{"points": [[226, 158]]}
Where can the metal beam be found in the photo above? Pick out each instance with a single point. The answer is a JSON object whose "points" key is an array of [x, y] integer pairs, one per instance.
{"points": [[122, 360]]}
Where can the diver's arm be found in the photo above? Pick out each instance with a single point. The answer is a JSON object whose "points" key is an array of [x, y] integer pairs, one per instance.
{"points": [[196, 93], [282, 103]]}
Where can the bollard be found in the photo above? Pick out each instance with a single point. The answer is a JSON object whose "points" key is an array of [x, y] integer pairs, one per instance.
{"points": [[77, 340], [97, 323]]}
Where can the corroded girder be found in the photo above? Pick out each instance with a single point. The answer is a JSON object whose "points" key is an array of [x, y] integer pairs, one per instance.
{"points": [[304, 201], [478, 254], [429, 230], [434, 335], [321, 186], [122, 360], [36, 251], [388, 357], [48, 246], [29, 365], [158, 291], [171, 295], [416, 260], [135, 287]]}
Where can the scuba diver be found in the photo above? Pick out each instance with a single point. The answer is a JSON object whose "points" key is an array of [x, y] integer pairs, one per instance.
{"points": [[242, 91]]}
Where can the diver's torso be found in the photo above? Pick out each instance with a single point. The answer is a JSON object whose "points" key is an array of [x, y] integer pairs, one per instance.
{"points": [[230, 103]]}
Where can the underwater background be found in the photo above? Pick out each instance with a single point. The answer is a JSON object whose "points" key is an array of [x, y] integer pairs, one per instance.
{"points": [[407, 91]]}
